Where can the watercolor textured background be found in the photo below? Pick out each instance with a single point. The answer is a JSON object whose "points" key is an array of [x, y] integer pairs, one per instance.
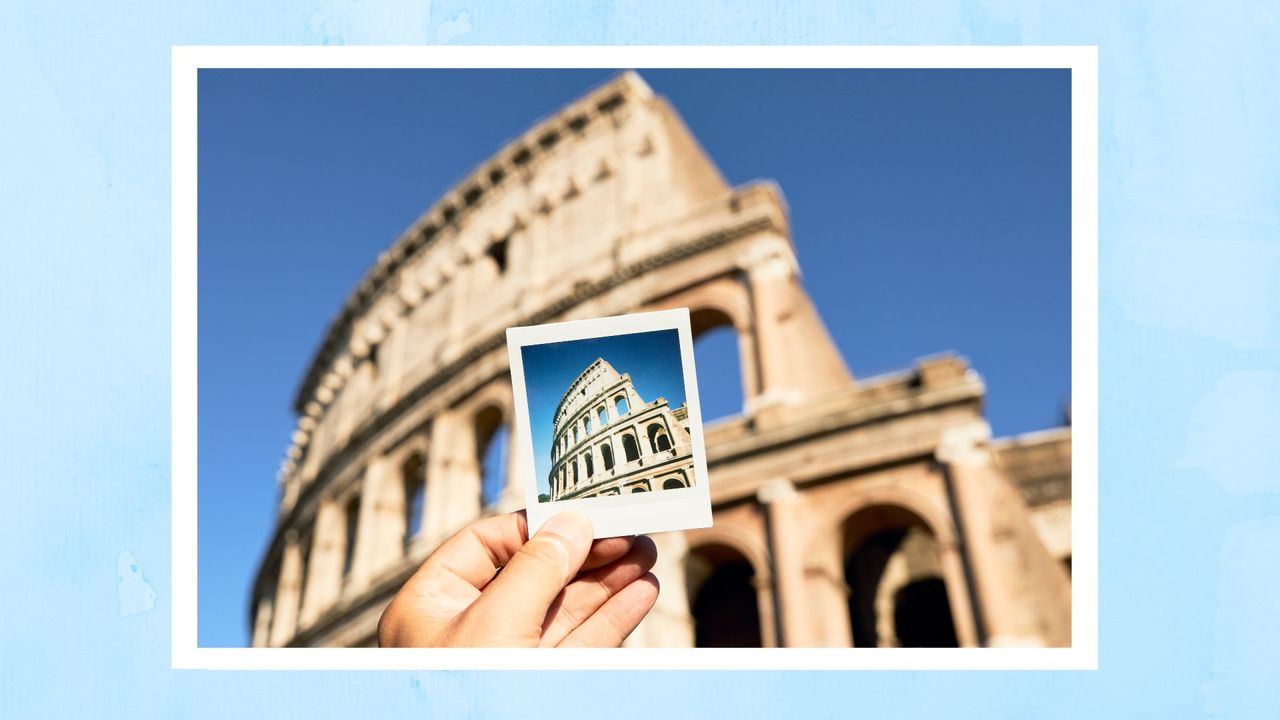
{"points": [[1190, 361]]}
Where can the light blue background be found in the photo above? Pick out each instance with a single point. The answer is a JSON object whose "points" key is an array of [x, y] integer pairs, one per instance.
{"points": [[1190, 288]]}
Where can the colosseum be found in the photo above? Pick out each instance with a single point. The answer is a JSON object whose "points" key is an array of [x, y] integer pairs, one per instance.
{"points": [[601, 417], [869, 512]]}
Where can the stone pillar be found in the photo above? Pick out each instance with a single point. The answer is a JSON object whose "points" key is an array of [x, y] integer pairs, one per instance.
{"points": [[453, 477], [383, 522], [784, 321], [288, 592], [393, 358], [669, 624], [616, 446], [962, 611], [1023, 594], [786, 548], [262, 622], [324, 574], [458, 287], [827, 593], [763, 584], [519, 466]]}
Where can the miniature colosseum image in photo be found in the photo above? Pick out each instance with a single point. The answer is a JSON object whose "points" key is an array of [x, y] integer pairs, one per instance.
{"points": [[604, 434]]}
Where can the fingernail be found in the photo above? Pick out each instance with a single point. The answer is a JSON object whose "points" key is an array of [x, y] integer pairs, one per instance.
{"points": [[572, 525]]}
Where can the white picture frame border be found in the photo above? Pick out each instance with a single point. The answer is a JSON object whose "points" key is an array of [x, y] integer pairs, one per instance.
{"points": [[1082, 61], [652, 512]]}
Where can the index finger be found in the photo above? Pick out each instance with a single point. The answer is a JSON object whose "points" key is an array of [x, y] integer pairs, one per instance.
{"points": [[475, 553]]}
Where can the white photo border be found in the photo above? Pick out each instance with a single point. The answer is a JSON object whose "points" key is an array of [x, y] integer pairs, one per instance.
{"points": [[659, 511], [1081, 60]]}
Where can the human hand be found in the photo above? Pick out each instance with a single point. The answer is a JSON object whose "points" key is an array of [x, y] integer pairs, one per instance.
{"points": [[491, 586]]}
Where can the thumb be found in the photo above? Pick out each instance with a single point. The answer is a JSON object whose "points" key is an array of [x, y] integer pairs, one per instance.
{"points": [[521, 594]]}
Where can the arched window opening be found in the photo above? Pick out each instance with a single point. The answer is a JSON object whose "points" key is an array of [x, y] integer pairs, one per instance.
{"points": [[630, 450], [606, 456], [586, 425], [897, 595], [620, 403], [602, 416], [575, 433], [413, 474], [353, 523], [575, 471], [721, 587], [717, 357], [591, 466], [492, 439], [638, 489], [658, 439], [672, 483]]}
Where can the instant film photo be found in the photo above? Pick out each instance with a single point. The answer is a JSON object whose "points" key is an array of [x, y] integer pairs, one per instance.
{"points": [[608, 411]]}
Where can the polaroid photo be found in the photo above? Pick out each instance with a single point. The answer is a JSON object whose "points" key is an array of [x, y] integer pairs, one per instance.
{"points": [[608, 410]]}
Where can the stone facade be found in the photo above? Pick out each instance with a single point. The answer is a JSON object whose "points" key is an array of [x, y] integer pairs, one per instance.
{"points": [[608, 441], [869, 512]]}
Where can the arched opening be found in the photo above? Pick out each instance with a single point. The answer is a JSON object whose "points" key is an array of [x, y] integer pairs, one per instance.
{"points": [[492, 436], [638, 489], [602, 416], [722, 597], [718, 359], [658, 439], [606, 456], [591, 466], [630, 450], [575, 471], [897, 594], [672, 483], [621, 405], [413, 475], [586, 425]]}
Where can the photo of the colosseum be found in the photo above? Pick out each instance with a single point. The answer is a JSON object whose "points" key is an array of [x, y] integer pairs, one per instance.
{"points": [[874, 511], [605, 437]]}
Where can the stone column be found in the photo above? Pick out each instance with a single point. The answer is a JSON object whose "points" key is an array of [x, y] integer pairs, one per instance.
{"points": [[262, 622], [784, 321], [324, 575], [616, 446], [393, 354], [827, 592], [453, 477], [382, 524], [763, 585], [288, 591], [786, 548], [669, 624], [457, 321], [1023, 594], [519, 466]]}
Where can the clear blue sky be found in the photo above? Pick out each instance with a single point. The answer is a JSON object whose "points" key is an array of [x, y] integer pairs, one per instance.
{"points": [[930, 210], [651, 358]]}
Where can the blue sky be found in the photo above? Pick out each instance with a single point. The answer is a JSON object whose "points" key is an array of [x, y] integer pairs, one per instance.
{"points": [[651, 358], [930, 212]]}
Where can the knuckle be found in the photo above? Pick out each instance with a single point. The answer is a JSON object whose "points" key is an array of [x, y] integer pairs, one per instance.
{"points": [[545, 551]]}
